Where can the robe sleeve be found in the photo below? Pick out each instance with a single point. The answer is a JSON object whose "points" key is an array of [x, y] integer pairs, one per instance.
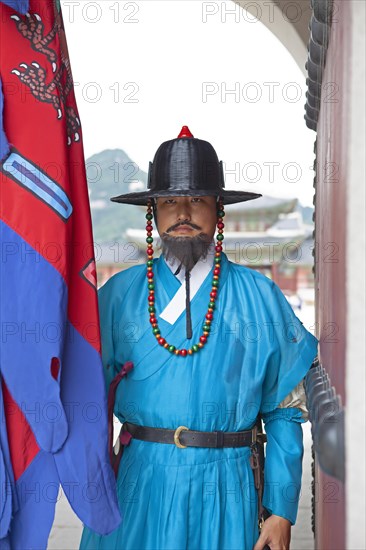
{"points": [[292, 351], [283, 464], [111, 297]]}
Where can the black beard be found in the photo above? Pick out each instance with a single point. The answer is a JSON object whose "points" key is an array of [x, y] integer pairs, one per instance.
{"points": [[187, 250]]}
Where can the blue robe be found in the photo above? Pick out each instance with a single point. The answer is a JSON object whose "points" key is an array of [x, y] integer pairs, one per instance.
{"points": [[257, 352]]}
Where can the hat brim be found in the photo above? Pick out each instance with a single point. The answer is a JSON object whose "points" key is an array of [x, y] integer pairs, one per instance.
{"points": [[228, 197]]}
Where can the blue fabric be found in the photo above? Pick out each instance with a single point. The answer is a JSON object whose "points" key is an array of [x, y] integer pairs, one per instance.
{"points": [[4, 145], [5, 544], [83, 462], [283, 466], [37, 493], [27, 324], [22, 6], [193, 498], [8, 503], [67, 415]]}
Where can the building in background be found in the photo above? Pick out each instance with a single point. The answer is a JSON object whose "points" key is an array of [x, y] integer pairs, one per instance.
{"points": [[268, 235]]}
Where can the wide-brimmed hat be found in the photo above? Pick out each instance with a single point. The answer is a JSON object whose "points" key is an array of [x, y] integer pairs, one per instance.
{"points": [[185, 166]]}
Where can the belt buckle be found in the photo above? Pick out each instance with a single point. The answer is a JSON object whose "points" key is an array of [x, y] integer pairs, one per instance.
{"points": [[177, 434]]}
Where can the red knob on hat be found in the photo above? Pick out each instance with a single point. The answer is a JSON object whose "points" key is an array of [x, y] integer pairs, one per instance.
{"points": [[185, 133]]}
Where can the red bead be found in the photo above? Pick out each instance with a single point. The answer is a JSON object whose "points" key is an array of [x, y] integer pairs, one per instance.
{"points": [[151, 298], [153, 320], [150, 275], [220, 225], [218, 248], [209, 316], [203, 339], [150, 251], [161, 341], [183, 352], [213, 294]]}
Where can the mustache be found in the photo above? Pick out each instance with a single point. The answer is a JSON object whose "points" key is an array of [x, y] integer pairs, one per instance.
{"points": [[176, 225]]}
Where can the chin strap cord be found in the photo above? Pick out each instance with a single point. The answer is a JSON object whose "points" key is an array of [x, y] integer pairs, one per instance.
{"points": [[178, 269], [188, 307]]}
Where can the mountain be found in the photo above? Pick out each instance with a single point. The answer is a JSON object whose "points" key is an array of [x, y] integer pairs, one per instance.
{"points": [[112, 173]]}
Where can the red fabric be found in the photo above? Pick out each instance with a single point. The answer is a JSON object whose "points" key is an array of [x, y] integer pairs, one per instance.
{"points": [[111, 398], [23, 448], [34, 127]]}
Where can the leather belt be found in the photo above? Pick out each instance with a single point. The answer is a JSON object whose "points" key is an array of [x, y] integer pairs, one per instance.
{"points": [[184, 437]]}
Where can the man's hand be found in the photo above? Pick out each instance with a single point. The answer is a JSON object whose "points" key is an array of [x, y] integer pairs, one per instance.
{"points": [[276, 532]]}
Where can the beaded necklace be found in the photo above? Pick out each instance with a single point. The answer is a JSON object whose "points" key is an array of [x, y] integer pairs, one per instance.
{"points": [[213, 294]]}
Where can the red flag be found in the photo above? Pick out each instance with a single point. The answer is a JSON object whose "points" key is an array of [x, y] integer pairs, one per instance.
{"points": [[54, 393]]}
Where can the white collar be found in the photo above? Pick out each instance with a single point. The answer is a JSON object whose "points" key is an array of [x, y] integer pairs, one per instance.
{"points": [[173, 264]]}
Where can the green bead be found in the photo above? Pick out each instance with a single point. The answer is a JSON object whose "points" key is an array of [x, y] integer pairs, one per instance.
{"points": [[221, 213], [149, 216], [150, 263], [212, 305], [215, 283], [217, 260], [171, 349], [195, 347], [220, 237], [151, 286], [156, 330], [149, 240], [206, 328], [151, 309]]}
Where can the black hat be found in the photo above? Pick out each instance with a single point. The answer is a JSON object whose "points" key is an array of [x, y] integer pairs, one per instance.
{"points": [[185, 166]]}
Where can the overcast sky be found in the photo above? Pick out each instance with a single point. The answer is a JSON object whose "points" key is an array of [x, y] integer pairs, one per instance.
{"points": [[143, 69]]}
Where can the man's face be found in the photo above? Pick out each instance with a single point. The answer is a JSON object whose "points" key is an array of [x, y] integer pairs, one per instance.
{"points": [[186, 226], [186, 216]]}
